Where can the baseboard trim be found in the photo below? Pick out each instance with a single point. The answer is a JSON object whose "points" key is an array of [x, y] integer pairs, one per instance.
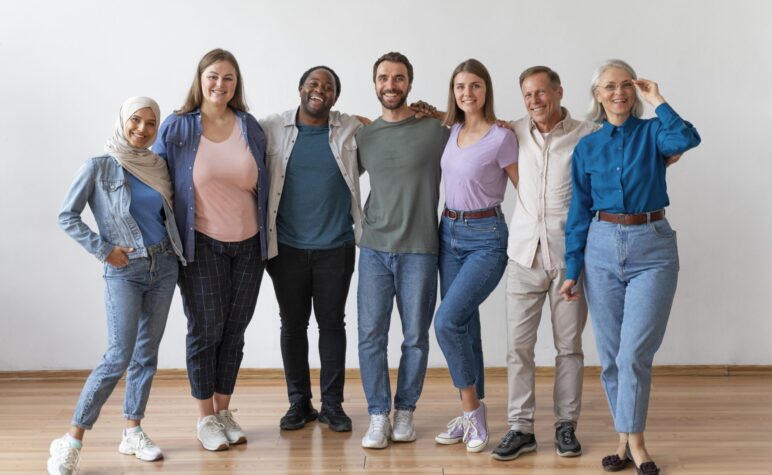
{"points": [[353, 373]]}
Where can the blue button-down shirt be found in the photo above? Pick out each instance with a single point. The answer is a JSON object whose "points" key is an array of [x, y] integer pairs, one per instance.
{"points": [[177, 142], [622, 170]]}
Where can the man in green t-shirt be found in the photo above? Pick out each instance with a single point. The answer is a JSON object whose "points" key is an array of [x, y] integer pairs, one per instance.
{"points": [[398, 249]]}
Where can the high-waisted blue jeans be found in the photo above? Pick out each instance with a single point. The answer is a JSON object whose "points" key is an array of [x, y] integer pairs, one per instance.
{"points": [[137, 298], [631, 274], [473, 256]]}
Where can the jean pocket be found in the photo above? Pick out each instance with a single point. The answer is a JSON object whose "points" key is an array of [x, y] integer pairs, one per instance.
{"points": [[112, 186], [482, 225], [662, 229]]}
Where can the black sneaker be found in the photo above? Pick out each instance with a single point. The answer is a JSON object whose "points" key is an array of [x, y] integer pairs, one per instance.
{"points": [[335, 418], [513, 445], [298, 415], [565, 441]]}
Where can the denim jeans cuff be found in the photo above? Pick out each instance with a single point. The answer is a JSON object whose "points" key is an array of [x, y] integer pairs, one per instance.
{"points": [[133, 417], [404, 408], [378, 412], [79, 425]]}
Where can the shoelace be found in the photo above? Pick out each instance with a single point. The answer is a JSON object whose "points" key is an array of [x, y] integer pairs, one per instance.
{"points": [[335, 409], [457, 423], [470, 430], [144, 441], [508, 438], [402, 417], [228, 418], [212, 425], [377, 423], [566, 435], [71, 456]]}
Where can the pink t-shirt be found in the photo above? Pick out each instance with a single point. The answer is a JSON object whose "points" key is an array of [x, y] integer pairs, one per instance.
{"points": [[225, 185], [474, 176]]}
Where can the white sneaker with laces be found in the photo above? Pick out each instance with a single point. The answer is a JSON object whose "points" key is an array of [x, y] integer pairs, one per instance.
{"points": [[141, 446], [377, 436], [211, 434], [232, 428], [454, 434], [64, 457], [403, 430]]}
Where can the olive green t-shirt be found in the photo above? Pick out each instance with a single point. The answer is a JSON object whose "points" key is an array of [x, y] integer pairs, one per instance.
{"points": [[403, 161]]}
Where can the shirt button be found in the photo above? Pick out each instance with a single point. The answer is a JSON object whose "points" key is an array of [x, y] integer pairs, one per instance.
{"points": [[618, 168]]}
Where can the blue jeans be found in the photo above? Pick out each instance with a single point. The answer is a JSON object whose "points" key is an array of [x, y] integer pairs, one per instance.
{"points": [[631, 274], [412, 279], [137, 298], [473, 256]]}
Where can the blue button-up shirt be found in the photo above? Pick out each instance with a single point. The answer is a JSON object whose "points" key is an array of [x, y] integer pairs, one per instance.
{"points": [[621, 169], [177, 142]]}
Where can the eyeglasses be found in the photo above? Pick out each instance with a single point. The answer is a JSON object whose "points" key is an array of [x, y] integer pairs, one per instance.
{"points": [[625, 86]]}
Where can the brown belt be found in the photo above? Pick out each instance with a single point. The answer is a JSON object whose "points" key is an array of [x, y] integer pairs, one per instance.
{"points": [[628, 219], [486, 213]]}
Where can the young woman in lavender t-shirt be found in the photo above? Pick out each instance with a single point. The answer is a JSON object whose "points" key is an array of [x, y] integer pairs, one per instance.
{"points": [[478, 159]]}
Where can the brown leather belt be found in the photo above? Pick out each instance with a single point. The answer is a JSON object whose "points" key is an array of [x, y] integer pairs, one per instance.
{"points": [[486, 213], [628, 219]]}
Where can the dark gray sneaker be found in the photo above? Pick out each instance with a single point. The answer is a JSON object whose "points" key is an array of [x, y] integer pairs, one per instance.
{"points": [[566, 444], [513, 445], [298, 415], [335, 418]]}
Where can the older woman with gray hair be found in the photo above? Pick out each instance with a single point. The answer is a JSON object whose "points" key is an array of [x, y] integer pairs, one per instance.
{"points": [[617, 232]]}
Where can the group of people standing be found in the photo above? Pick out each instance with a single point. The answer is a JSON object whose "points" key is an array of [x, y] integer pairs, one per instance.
{"points": [[223, 196]]}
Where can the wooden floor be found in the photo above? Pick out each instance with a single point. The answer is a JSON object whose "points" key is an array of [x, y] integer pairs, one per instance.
{"points": [[697, 425]]}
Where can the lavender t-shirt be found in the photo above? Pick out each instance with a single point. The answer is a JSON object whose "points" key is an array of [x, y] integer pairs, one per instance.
{"points": [[474, 176]]}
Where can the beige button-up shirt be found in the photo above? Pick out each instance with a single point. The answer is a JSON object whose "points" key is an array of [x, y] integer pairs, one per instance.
{"points": [[544, 190], [281, 133]]}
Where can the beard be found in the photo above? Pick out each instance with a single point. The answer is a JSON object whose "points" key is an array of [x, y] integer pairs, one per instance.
{"points": [[400, 103]]}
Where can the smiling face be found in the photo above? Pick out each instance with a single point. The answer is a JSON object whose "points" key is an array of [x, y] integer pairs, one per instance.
{"points": [[616, 94], [542, 101], [218, 83], [141, 127], [318, 94], [392, 84], [469, 90]]}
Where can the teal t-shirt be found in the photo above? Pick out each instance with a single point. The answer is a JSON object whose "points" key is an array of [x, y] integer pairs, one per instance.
{"points": [[315, 207], [403, 161]]}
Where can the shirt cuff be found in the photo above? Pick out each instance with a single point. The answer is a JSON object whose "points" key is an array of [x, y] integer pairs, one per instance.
{"points": [[665, 113]]}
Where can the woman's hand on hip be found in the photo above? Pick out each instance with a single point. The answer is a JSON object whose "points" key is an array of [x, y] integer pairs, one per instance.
{"points": [[568, 292], [118, 256]]}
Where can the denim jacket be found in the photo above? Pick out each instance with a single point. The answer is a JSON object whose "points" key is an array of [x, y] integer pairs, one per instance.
{"points": [[177, 143], [102, 183], [282, 132]]}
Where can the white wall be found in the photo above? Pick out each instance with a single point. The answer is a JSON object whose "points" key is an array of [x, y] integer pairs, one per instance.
{"points": [[67, 66]]}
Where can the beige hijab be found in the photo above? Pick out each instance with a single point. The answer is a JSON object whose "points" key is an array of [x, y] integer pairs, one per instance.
{"points": [[140, 162]]}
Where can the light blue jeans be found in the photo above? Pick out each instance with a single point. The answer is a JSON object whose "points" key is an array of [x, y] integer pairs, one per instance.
{"points": [[631, 274], [412, 279], [473, 257], [137, 298]]}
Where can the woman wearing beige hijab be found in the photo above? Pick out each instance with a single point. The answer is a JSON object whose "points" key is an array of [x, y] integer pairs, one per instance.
{"points": [[130, 196]]}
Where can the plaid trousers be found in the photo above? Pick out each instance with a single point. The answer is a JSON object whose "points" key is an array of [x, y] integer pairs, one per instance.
{"points": [[219, 293]]}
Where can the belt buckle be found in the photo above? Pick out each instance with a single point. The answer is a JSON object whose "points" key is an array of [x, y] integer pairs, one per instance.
{"points": [[452, 214]]}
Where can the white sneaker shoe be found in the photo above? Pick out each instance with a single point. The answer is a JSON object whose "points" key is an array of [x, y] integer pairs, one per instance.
{"points": [[377, 436], [141, 446], [403, 430], [64, 457], [211, 434], [454, 434], [232, 428]]}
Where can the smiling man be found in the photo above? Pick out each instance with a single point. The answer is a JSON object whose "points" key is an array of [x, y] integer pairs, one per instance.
{"points": [[399, 248], [536, 269], [314, 218]]}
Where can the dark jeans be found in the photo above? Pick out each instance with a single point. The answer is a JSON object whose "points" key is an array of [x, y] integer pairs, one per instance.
{"points": [[219, 293], [322, 277]]}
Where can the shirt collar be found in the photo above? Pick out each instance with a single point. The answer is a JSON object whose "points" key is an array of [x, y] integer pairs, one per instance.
{"points": [[290, 118], [560, 125], [627, 126]]}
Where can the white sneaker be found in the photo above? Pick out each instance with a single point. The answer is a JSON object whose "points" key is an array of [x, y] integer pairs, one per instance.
{"points": [[377, 436], [403, 430], [232, 428], [141, 446], [454, 434], [211, 434], [64, 457]]}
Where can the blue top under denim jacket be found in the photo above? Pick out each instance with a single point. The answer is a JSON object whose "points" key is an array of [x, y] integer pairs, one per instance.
{"points": [[177, 143], [102, 183]]}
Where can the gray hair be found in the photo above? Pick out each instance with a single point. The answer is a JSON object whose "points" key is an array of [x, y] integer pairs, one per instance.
{"points": [[597, 113]]}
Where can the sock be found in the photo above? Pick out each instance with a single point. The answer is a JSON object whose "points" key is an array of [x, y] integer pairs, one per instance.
{"points": [[74, 443], [132, 430]]}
